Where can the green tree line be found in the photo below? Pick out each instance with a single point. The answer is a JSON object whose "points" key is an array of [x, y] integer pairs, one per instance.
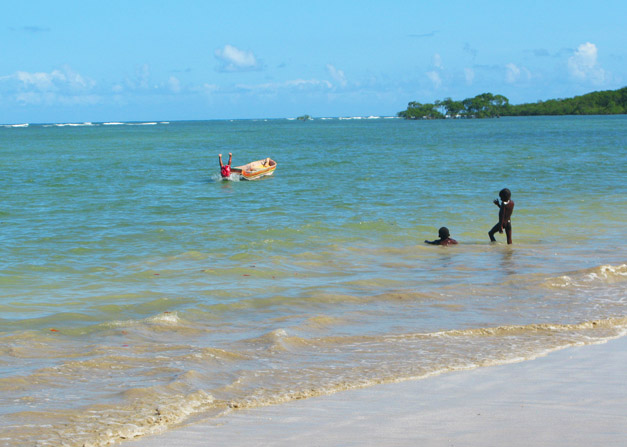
{"points": [[488, 105]]}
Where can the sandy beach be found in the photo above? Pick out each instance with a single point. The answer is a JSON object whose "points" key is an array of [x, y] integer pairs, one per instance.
{"points": [[573, 397]]}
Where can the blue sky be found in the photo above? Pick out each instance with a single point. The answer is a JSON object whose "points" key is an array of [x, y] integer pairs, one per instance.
{"points": [[70, 61]]}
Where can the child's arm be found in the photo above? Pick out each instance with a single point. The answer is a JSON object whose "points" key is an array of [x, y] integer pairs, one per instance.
{"points": [[230, 158]]}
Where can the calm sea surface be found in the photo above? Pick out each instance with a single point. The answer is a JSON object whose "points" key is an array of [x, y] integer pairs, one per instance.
{"points": [[139, 291]]}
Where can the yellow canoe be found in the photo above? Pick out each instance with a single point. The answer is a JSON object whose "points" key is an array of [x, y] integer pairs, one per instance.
{"points": [[256, 169]]}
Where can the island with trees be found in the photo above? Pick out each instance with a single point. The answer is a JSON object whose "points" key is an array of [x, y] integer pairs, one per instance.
{"points": [[488, 105]]}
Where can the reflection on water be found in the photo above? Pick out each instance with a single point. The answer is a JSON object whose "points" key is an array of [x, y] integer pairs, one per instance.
{"points": [[508, 263]]}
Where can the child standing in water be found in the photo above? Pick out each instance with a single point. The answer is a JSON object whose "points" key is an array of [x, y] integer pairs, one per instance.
{"points": [[506, 208]]}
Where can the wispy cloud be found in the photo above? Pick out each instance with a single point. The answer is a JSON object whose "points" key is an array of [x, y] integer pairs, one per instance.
{"points": [[424, 35], [435, 78], [437, 61], [32, 29], [543, 52], [62, 86], [337, 75], [65, 87], [174, 84], [297, 84], [469, 74], [470, 50], [64, 80], [232, 59], [514, 73]]}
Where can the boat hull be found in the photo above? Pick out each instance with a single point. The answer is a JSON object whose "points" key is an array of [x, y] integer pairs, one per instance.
{"points": [[256, 169]]}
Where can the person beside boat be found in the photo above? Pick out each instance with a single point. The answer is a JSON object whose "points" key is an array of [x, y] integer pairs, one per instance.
{"points": [[445, 238], [225, 169], [250, 171]]}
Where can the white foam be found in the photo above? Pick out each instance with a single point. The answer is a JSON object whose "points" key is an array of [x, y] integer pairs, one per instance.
{"points": [[16, 125], [73, 124], [164, 318]]}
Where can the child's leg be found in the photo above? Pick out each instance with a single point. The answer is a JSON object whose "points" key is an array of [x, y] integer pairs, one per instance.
{"points": [[494, 229], [508, 232]]}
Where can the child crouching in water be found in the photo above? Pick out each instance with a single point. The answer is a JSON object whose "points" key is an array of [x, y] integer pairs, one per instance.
{"points": [[445, 238]]}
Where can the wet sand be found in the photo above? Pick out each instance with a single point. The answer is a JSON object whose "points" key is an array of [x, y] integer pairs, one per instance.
{"points": [[573, 397]]}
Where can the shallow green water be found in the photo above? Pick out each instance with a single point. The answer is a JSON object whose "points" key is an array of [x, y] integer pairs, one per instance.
{"points": [[137, 289]]}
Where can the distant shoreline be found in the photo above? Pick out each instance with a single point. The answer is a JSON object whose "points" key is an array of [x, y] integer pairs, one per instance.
{"points": [[321, 118], [488, 105]]}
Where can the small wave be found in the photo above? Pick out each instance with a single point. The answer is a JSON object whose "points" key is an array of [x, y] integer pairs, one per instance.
{"points": [[163, 319], [153, 411], [615, 327], [113, 124], [86, 124], [16, 125], [278, 340], [234, 177], [169, 319], [322, 322], [607, 274]]}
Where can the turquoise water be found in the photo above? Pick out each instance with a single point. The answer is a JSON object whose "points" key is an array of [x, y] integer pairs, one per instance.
{"points": [[139, 291]]}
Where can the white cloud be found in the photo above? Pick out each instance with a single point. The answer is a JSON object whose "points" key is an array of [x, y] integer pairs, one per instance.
{"points": [[39, 81], [434, 76], [298, 84], [583, 64], [63, 86], [57, 80], [512, 74], [142, 74], [54, 98], [233, 59], [437, 61], [174, 84], [337, 75], [469, 74]]}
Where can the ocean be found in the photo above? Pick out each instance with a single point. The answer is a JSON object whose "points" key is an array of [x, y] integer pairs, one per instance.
{"points": [[139, 291]]}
